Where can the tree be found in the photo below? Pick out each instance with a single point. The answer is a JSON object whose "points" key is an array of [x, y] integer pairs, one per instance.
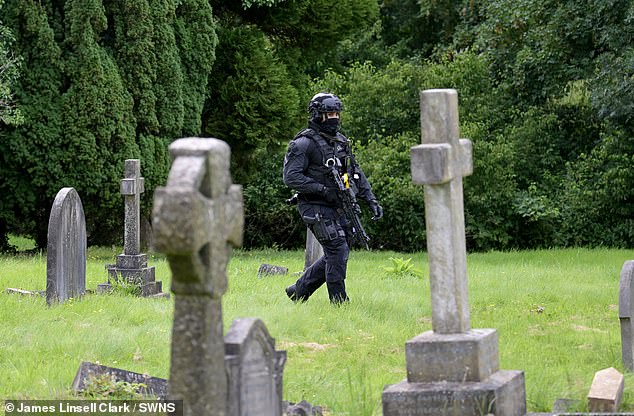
{"points": [[9, 113], [104, 81], [259, 88]]}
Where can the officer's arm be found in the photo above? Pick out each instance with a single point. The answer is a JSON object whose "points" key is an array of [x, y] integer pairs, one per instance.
{"points": [[365, 190], [295, 164]]}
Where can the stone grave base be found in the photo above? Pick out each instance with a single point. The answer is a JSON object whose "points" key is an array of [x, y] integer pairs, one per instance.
{"points": [[501, 394], [133, 269], [469, 356]]}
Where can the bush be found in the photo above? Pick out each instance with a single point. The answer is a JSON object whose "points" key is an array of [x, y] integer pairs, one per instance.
{"points": [[269, 221]]}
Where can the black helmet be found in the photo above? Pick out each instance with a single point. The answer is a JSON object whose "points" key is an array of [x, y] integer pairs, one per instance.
{"points": [[323, 102]]}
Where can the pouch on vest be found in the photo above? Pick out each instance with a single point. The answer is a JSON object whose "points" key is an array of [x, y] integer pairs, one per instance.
{"points": [[324, 229]]}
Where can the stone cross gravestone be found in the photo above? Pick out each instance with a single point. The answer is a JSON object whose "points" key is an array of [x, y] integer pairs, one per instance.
{"points": [[626, 314], [254, 369], [452, 369], [132, 265], [196, 218], [66, 248], [132, 186]]}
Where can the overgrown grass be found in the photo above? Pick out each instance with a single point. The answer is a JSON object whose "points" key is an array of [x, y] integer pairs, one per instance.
{"points": [[556, 313]]}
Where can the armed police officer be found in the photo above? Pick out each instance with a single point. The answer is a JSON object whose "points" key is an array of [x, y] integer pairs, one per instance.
{"points": [[308, 169]]}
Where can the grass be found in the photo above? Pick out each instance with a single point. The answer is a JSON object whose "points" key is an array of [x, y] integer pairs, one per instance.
{"points": [[556, 313]]}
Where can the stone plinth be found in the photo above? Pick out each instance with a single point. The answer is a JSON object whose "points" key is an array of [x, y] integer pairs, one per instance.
{"points": [[133, 269], [501, 394], [469, 356]]}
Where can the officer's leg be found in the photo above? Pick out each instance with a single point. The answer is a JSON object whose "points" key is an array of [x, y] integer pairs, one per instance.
{"points": [[336, 257], [331, 267], [309, 282]]}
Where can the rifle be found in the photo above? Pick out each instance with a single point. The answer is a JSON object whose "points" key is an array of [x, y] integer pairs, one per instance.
{"points": [[350, 206]]}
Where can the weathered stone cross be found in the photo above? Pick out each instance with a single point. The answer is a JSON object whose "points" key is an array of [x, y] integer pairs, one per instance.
{"points": [[132, 186], [452, 369], [439, 164], [196, 218]]}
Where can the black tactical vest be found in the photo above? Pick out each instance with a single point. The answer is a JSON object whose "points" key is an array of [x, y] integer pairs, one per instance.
{"points": [[336, 152]]}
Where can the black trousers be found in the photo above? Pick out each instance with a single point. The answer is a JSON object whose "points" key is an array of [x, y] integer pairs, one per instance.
{"points": [[328, 225]]}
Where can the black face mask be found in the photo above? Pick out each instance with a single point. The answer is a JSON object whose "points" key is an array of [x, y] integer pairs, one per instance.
{"points": [[330, 126]]}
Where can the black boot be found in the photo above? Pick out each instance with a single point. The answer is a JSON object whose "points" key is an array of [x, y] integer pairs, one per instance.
{"points": [[290, 292]]}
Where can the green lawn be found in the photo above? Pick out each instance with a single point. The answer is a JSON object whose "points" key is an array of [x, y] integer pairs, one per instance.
{"points": [[556, 313]]}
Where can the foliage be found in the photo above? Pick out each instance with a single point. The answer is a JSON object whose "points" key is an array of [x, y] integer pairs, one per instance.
{"points": [[400, 268], [9, 113], [526, 295], [305, 32], [251, 104], [105, 386], [545, 92], [613, 87], [386, 164], [269, 220], [104, 81]]}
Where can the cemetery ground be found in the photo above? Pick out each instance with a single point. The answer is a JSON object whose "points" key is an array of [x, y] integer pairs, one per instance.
{"points": [[556, 313]]}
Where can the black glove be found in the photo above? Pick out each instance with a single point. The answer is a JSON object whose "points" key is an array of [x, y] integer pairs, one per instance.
{"points": [[377, 211], [330, 194]]}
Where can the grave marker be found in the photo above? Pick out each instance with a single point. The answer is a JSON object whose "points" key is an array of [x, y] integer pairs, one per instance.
{"points": [[453, 369], [132, 265], [66, 248], [152, 386], [196, 218], [255, 370], [626, 313], [313, 251], [606, 391]]}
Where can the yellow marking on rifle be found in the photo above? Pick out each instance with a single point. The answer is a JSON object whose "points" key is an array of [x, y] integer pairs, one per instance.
{"points": [[345, 180]]}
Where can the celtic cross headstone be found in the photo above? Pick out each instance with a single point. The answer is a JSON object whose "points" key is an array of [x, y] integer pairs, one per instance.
{"points": [[197, 218]]}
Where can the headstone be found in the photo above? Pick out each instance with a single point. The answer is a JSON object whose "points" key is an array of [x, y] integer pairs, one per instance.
{"points": [[196, 218], [254, 369], [314, 250], [270, 270], [626, 314], [66, 249], [606, 391], [452, 369], [152, 386], [132, 266]]}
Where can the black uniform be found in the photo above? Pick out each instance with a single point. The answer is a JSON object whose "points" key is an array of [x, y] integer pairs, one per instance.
{"points": [[306, 172]]}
